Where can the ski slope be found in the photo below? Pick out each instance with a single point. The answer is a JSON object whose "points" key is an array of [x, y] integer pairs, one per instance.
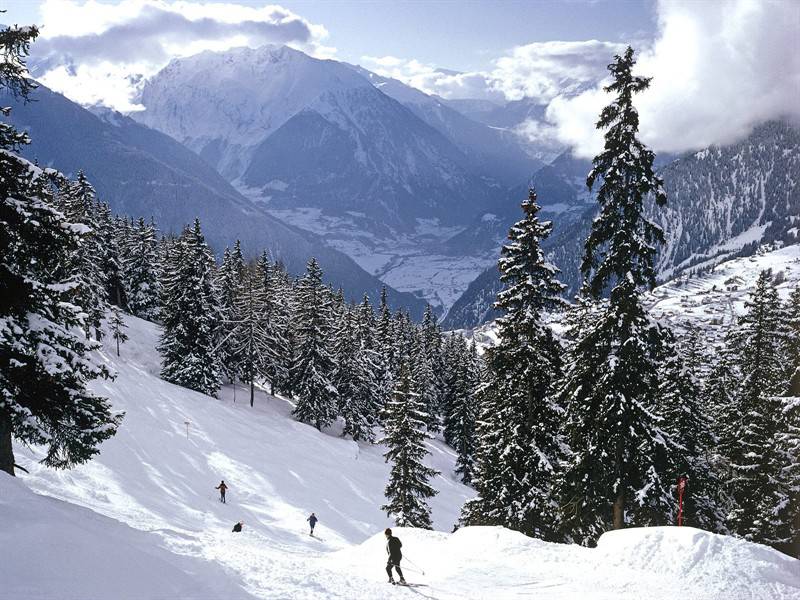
{"points": [[143, 521]]}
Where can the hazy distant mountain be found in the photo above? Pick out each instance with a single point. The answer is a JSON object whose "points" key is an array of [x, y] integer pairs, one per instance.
{"points": [[142, 172], [493, 152]]}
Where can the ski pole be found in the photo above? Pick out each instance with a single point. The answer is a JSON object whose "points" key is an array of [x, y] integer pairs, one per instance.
{"points": [[415, 564]]}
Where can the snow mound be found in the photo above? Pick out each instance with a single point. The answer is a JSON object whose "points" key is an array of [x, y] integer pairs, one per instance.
{"points": [[654, 563]]}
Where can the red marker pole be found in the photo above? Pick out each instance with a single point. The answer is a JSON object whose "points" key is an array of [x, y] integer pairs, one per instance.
{"points": [[681, 489]]}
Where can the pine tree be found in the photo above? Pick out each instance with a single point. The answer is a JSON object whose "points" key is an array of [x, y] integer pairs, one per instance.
{"points": [[111, 260], [718, 396], [228, 280], [316, 395], [141, 270], [190, 315], [757, 414], [462, 384], [690, 429], [618, 471], [251, 339], [785, 508], [516, 491], [41, 357], [117, 326], [277, 362], [408, 488], [793, 342], [79, 203], [353, 381]]}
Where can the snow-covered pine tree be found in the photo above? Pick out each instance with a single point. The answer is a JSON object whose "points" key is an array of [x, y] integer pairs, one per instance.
{"points": [[41, 357], [385, 336], [757, 414], [424, 377], [786, 507], [690, 429], [430, 345], [249, 328], [277, 361], [229, 278], [313, 369], [408, 488], [718, 395], [525, 365], [379, 372], [141, 270], [117, 327], [793, 341], [79, 203], [190, 315], [111, 262], [619, 471], [353, 380], [461, 384]]}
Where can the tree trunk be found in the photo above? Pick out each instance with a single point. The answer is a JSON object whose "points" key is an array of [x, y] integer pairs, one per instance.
{"points": [[6, 451], [252, 392], [619, 512]]}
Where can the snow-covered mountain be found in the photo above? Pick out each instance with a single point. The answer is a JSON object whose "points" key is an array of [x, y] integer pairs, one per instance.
{"points": [[496, 153], [722, 201], [142, 520], [311, 133], [142, 172], [383, 172], [729, 199]]}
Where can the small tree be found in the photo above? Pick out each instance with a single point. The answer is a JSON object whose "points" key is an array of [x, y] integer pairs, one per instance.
{"points": [[408, 487], [118, 327]]}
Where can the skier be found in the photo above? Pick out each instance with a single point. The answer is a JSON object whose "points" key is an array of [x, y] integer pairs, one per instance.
{"points": [[238, 527], [312, 520], [221, 487], [393, 546]]}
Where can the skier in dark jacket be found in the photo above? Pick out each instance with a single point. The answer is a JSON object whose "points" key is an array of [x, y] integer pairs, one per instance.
{"points": [[238, 527], [312, 520], [221, 487], [393, 546]]}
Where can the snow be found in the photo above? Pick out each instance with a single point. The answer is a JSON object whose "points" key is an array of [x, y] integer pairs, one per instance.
{"points": [[409, 262], [143, 521]]}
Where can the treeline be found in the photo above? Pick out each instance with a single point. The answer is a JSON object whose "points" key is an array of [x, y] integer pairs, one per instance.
{"points": [[253, 322]]}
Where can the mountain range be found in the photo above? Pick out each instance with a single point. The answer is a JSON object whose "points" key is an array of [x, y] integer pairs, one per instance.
{"points": [[384, 183], [142, 172]]}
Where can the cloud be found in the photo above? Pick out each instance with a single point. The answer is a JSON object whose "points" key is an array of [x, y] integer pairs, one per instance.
{"points": [[540, 71], [718, 68], [98, 53]]}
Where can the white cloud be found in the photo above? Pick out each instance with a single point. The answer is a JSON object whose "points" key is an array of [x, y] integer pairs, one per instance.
{"points": [[718, 68], [96, 52], [540, 70]]}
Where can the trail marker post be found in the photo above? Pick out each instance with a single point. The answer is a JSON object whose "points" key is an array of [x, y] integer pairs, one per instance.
{"points": [[187, 423], [681, 490]]}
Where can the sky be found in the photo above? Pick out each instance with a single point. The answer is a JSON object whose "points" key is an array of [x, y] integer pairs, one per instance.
{"points": [[719, 66]]}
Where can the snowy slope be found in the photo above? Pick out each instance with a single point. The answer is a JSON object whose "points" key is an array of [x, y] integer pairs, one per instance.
{"points": [[713, 300], [143, 521], [710, 301], [152, 478]]}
